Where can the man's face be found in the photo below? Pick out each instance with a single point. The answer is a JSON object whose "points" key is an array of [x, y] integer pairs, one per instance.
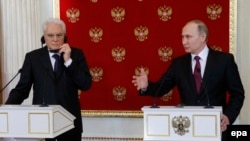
{"points": [[192, 40], [54, 36]]}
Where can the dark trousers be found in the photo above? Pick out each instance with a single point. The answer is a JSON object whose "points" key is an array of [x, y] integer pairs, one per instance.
{"points": [[224, 136], [68, 136]]}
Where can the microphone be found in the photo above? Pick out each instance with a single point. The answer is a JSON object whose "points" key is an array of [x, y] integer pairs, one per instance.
{"points": [[19, 71], [155, 105], [208, 106], [44, 103]]}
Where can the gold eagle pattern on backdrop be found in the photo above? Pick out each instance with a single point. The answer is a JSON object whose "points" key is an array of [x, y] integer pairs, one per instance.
{"points": [[214, 11], [73, 14], [165, 12], [148, 28], [118, 14]]}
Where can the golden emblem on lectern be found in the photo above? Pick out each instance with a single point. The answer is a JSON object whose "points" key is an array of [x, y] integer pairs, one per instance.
{"points": [[181, 124]]}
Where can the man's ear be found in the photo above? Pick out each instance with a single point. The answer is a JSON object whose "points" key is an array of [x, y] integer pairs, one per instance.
{"points": [[204, 37]]}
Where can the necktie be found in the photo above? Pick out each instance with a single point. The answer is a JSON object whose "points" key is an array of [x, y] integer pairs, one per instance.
{"points": [[56, 57], [197, 73]]}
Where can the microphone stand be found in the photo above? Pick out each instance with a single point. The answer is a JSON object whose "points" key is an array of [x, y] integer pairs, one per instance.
{"points": [[44, 103], [155, 105], [19, 71], [208, 106]]}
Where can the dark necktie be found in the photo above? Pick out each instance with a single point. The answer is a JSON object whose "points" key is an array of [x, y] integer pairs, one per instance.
{"points": [[57, 57], [197, 73]]}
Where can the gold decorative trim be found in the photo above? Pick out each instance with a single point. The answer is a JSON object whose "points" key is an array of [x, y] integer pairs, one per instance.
{"points": [[112, 113], [233, 27], [56, 8]]}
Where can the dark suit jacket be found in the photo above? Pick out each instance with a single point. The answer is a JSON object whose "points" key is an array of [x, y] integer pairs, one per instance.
{"points": [[221, 76], [61, 89]]}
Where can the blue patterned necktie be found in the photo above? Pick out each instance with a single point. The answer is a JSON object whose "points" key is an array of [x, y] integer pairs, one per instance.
{"points": [[56, 57]]}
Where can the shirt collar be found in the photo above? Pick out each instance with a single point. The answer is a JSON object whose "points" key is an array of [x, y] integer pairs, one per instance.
{"points": [[203, 54]]}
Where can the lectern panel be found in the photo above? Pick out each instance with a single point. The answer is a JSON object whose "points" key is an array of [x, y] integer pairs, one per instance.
{"points": [[3, 123], [34, 121], [205, 126], [39, 123], [188, 123], [159, 123]]}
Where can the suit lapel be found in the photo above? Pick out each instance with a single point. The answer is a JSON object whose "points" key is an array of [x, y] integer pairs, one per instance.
{"points": [[46, 63], [208, 69], [190, 74], [60, 67]]}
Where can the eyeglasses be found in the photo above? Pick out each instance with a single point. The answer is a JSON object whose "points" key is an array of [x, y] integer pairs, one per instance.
{"points": [[60, 35]]}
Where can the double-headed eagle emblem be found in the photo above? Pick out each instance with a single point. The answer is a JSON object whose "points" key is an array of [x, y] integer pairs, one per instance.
{"points": [[181, 124]]}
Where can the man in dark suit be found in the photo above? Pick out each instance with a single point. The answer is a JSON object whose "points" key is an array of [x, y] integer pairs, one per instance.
{"points": [[55, 85], [218, 70]]}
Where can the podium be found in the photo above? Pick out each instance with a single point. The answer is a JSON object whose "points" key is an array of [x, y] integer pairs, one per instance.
{"points": [[32, 122], [189, 123]]}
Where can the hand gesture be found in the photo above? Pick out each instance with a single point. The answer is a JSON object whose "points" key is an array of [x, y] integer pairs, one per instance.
{"points": [[141, 81], [66, 50]]}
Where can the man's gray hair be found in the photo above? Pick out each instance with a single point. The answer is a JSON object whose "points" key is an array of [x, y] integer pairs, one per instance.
{"points": [[54, 21]]}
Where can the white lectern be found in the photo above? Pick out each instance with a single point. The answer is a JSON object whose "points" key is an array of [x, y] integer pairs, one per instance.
{"points": [[28, 122], [188, 123]]}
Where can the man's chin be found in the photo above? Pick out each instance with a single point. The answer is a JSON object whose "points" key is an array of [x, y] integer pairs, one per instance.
{"points": [[187, 50]]}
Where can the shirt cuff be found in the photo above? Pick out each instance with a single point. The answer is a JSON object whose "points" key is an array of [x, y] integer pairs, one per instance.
{"points": [[68, 62]]}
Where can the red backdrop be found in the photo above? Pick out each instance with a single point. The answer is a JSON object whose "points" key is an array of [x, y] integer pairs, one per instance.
{"points": [[119, 36]]}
